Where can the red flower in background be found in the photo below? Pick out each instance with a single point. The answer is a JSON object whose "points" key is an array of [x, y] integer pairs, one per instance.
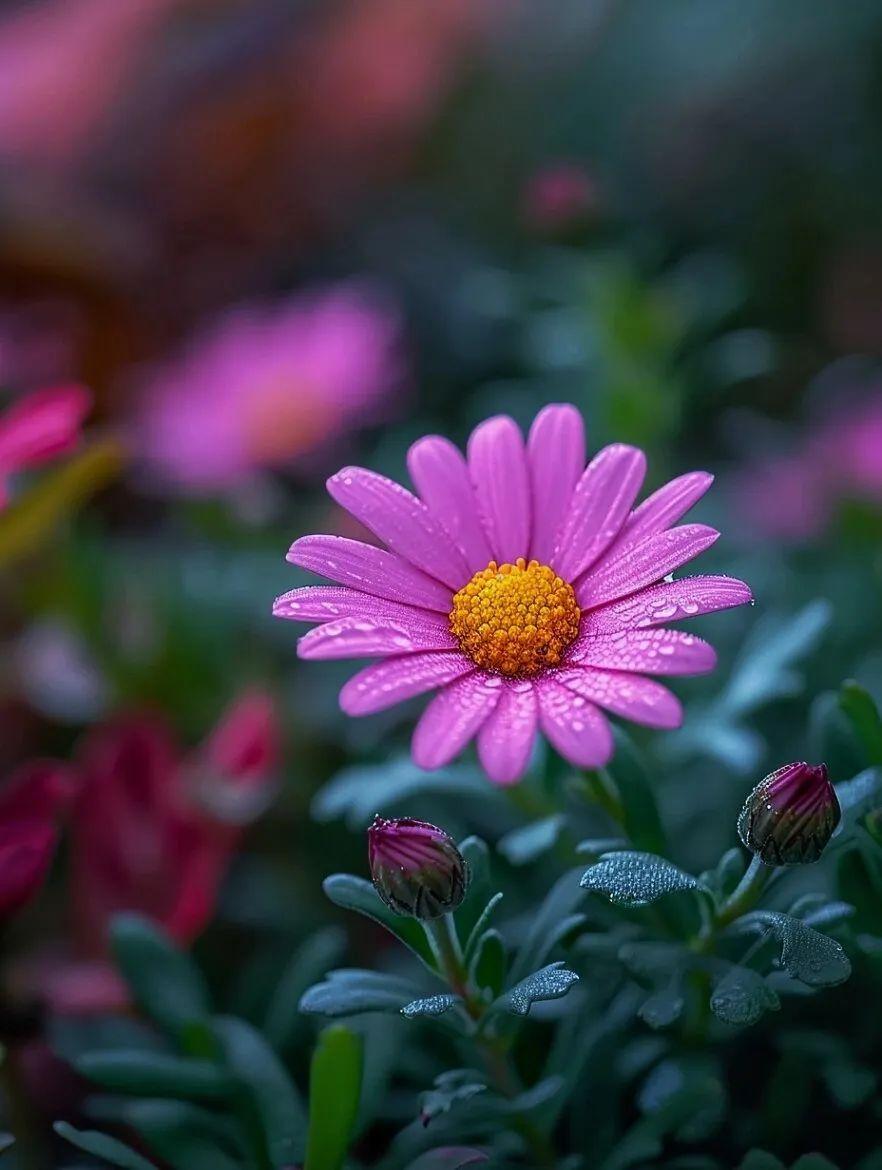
{"points": [[30, 803], [39, 427]]}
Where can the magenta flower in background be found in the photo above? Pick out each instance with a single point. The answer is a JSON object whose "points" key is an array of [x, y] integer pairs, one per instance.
{"points": [[40, 427], [527, 589], [558, 195], [268, 386]]}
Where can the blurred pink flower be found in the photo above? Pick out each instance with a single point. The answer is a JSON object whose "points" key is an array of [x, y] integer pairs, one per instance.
{"points": [[558, 195], [267, 386], [139, 841], [234, 775], [63, 64], [793, 496], [30, 803], [524, 587], [39, 427]]}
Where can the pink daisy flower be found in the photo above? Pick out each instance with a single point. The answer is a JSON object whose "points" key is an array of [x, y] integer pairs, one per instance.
{"points": [[39, 427], [527, 589]]}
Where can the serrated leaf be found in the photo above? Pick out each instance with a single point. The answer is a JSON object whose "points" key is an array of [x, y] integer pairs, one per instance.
{"points": [[265, 1084], [154, 1074], [806, 954], [351, 990], [355, 893], [525, 844], [165, 983], [742, 996], [430, 1005], [334, 1092], [100, 1145], [551, 982], [636, 879]]}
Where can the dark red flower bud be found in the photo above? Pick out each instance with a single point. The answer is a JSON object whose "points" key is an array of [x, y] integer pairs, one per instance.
{"points": [[416, 867], [790, 815]]}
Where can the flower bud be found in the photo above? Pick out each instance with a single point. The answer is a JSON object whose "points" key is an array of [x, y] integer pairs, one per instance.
{"points": [[416, 867], [791, 815]]}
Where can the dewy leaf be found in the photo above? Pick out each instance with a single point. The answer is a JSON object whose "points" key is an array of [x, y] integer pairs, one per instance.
{"points": [[431, 1005], [742, 996], [266, 1085], [154, 1074], [806, 954], [100, 1145], [551, 982], [334, 1093], [350, 990], [165, 983], [636, 879], [355, 893], [863, 715]]}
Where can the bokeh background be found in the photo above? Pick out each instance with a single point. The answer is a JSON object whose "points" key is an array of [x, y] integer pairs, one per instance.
{"points": [[270, 237]]}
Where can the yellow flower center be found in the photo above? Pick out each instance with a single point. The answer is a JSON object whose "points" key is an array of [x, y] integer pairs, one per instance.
{"points": [[515, 619]]}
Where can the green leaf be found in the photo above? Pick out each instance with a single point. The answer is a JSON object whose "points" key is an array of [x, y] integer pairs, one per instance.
{"points": [[627, 770], [449, 1158], [334, 1093], [480, 926], [350, 990], [154, 1074], [665, 1006], [636, 879], [430, 1005], [354, 893], [183, 1135], [308, 964], [455, 1087], [806, 954], [165, 983], [525, 844], [477, 858], [551, 982], [100, 1145], [263, 1081], [742, 996], [855, 793], [863, 715], [489, 963], [761, 1160], [549, 925]]}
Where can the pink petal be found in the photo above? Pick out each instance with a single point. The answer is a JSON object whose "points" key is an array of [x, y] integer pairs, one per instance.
{"points": [[326, 603], [668, 601], [42, 425], [384, 684], [573, 726], [506, 739], [244, 744], [601, 503], [359, 637], [645, 563], [630, 695], [556, 457], [498, 468], [373, 570], [662, 509], [401, 521], [441, 476], [646, 651], [453, 717]]}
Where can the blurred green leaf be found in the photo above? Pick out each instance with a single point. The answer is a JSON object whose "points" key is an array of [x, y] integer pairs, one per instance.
{"points": [[741, 997], [858, 705], [489, 962], [165, 983], [349, 991], [155, 1074], [549, 925], [452, 1088], [334, 1092], [264, 1083], [307, 965], [103, 1146], [525, 844], [629, 775], [185, 1136]]}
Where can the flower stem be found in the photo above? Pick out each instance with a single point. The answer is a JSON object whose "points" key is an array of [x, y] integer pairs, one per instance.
{"points": [[745, 894], [444, 941]]}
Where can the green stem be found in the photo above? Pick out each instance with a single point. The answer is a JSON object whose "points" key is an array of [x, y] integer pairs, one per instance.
{"points": [[745, 895], [444, 941]]}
